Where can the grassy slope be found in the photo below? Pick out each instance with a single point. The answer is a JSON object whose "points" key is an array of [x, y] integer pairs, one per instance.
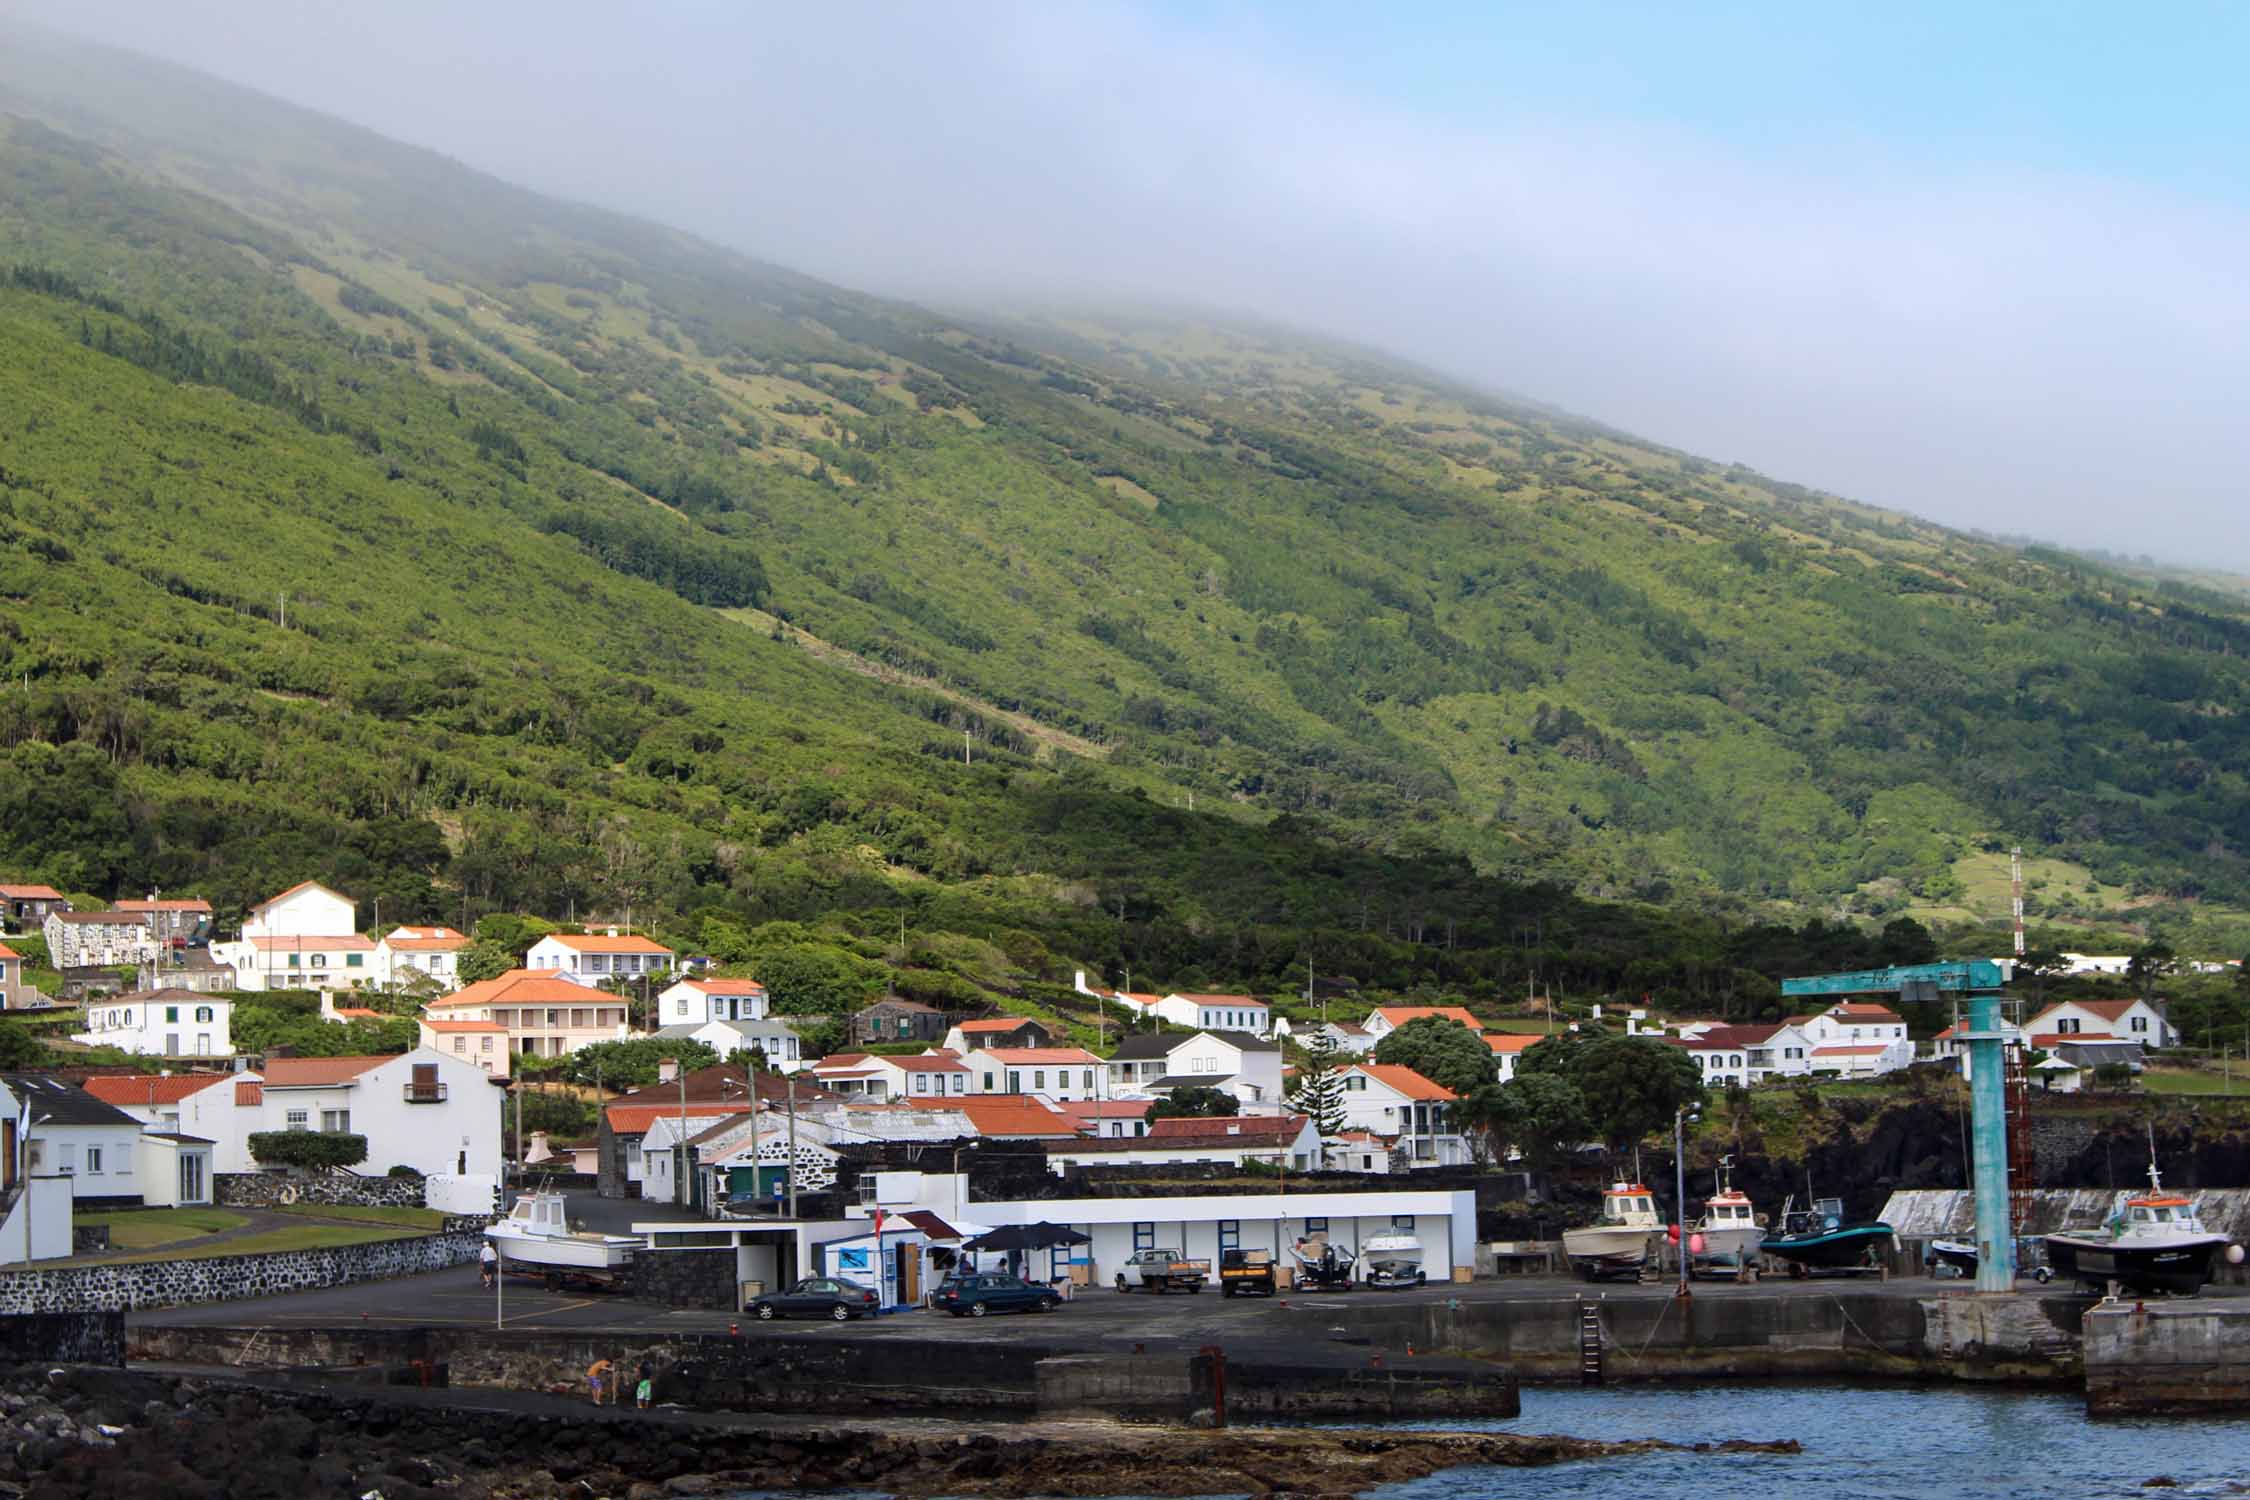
{"points": [[1272, 575]]}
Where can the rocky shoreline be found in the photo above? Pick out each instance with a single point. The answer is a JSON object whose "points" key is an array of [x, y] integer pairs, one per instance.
{"points": [[87, 1434]]}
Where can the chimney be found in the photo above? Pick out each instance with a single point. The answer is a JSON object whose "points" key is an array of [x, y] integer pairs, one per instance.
{"points": [[613, 932], [667, 1070]]}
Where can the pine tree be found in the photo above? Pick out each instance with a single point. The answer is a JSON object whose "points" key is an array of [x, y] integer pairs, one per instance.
{"points": [[1320, 1088]]}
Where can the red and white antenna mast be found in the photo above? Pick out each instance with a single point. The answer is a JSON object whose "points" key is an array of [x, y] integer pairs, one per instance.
{"points": [[2015, 875]]}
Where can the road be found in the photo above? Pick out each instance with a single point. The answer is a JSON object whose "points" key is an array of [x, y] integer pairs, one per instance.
{"points": [[1098, 1318]]}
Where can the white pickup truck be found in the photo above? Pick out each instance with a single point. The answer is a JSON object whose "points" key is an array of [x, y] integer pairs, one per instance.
{"points": [[1162, 1270]]}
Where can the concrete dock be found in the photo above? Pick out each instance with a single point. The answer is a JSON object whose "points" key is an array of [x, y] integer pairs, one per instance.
{"points": [[2147, 1358]]}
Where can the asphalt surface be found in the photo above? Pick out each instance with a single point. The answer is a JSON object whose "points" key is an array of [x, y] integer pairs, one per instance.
{"points": [[1097, 1318]]}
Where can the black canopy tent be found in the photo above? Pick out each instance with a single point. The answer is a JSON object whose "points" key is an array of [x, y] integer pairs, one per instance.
{"points": [[1039, 1236]]}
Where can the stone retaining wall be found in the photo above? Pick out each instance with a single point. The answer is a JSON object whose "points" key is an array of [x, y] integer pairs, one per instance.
{"points": [[2166, 1359], [266, 1189], [79, 1338], [221, 1278]]}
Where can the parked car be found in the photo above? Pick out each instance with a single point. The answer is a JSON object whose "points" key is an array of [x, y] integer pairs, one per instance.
{"points": [[974, 1296], [816, 1297]]}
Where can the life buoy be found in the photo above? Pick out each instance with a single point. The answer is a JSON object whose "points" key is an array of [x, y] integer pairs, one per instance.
{"points": [[288, 1193]]}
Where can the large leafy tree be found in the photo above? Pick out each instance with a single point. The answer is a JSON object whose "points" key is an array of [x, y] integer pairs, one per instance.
{"points": [[1538, 1114], [633, 1063], [1447, 1053], [1193, 1101], [1632, 1086]]}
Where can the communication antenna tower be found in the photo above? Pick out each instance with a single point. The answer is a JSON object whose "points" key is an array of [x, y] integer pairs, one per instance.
{"points": [[2015, 874]]}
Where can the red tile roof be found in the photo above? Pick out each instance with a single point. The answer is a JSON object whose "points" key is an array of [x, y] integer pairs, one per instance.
{"points": [[2047, 1041], [8, 952], [31, 893], [450, 1027], [336, 943], [424, 940], [588, 942], [1031, 1057], [1403, 1079], [150, 1089], [1000, 1024], [1209, 1129], [635, 1119], [1243, 1000], [522, 987], [1010, 1115], [313, 1072], [1864, 1013], [197, 904], [726, 986], [1505, 1042], [1399, 1015], [1849, 1051]]}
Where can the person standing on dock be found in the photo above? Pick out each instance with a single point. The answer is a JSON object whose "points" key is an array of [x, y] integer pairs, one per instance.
{"points": [[596, 1373], [488, 1262]]}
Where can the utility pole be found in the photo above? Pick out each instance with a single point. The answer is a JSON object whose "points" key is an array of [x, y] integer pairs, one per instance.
{"points": [[792, 1178], [964, 747], [2015, 875]]}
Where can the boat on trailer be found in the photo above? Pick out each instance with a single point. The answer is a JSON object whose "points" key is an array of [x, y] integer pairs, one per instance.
{"points": [[536, 1239], [1817, 1239], [2153, 1242], [1616, 1244], [1392, 1260], [1729, 1230]]}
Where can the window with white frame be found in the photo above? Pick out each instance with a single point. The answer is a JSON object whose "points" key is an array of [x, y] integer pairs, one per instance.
{"points": [[93, 1161], [298, 1119]]}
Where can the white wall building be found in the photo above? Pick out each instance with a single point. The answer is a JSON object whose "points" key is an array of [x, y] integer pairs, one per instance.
{"points": [[1385, 1019], [1292, 1140], [304, 938], [161, 1023], [1405, 1108], [592, 958], [2132, 1020], [1217, 1013], [427, 1110], [1857, 1039], [784, 1051], [411, 956], [1049, 1072], [71, 1133], [1238, 1063], [695, 1001]]}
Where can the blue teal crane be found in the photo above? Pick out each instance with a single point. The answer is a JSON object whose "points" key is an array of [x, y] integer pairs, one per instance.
{"points": [[1981, 980]]}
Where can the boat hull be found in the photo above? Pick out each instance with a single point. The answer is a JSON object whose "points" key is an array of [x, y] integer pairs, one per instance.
{"points": [[1836, 1250], [565, 1252], [1595, 1253], [2180, 1268]]}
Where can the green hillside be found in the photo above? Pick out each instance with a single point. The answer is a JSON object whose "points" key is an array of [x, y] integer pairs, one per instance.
{"points": [[373, 519]]}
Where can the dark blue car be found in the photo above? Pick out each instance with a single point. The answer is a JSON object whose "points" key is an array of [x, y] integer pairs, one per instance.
{"points": [[989, 1291]]}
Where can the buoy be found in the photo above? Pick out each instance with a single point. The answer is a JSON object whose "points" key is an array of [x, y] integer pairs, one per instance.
{"points": [[1695, 1243], [2234, 1255]]}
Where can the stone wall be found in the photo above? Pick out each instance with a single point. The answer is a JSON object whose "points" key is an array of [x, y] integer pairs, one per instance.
{"points": [[685, 1278], [77, 1338], [2155, 1359], [221, 1278], [265, 1189]]}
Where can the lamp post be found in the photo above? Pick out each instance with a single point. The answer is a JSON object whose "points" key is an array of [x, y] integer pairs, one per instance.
{"points": [[1680, 1117]]}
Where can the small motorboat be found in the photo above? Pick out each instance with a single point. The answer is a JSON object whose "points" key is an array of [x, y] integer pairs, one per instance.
{"points": [[1817, 1239], [1962, 1257], [536, 1240], [1616, 1244], [1391, 1260], [1321, 1267], [1729, 1231], [2152, 1242]]}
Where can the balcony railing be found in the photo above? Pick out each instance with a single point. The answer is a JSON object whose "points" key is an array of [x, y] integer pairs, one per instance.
{"points": [[425, 1093]]}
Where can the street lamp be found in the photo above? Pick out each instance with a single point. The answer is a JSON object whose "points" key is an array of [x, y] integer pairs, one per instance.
{"points": [[1680, 1119]]}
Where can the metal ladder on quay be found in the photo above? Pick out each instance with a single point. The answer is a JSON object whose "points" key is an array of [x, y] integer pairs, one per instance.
{"points": [[1589, 1342]]}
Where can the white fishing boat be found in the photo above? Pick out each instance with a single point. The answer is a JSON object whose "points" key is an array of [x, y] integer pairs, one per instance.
{"points": [[2153, 1242], [1391, 1260], [1729, 1229], [537, 1238], [1616, 1244]]}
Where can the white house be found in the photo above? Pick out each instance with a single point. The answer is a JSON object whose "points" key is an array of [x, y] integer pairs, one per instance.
{"points": [[70, 1133], [1217, 1013], [863, 1075], [161, 1023], [1055, 1073], [2132, 1020], [1403, 1107], [544, 1014], [422, 1109], [784, 1052], [1239, 1063], [1507, 1048], [107, 939], [1743, 1055], [1289, 1139], [1856, 1039], [305, 938], [409, 956], [484, 1043], [174, 1168], [1348, 1037], [695, 1001], [35, 1202], [595, 958]]}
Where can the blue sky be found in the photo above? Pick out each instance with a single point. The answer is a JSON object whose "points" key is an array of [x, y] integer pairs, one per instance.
{"points": [[1979, 262], [2153, 93]]}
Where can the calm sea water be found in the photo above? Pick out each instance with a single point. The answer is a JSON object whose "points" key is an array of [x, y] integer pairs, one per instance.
{"points": [[1883, 1444]]}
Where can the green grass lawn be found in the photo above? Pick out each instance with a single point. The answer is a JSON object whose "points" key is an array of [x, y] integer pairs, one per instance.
{"points": [[298, 1237], [150, 1229], [1525, 1026], [2193, 1081], [403, 1218]]}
